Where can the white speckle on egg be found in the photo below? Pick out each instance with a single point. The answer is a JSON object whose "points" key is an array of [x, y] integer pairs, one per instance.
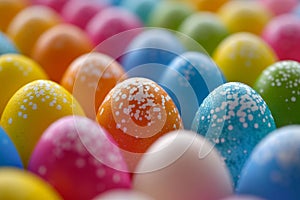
{"points": [[42, 170]]}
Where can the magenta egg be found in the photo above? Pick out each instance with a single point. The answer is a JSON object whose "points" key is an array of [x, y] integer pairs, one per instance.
{"points": [[56, 5], [77, 157], [279, 7]]}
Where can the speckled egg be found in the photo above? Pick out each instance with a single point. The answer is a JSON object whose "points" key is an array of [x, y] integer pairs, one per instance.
{"points": [[272, 172], [76, 156], [32, 109], [279, 86], [234, 118], [6, 45], [15, 71], [124, 195], [243, 56], [136, 113]]}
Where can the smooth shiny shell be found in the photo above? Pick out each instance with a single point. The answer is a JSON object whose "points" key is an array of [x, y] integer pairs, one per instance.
{"points": [[32, 109], [8, 10], [17, 184], [279, 86], [16, 71], [187, 162], [243, 56], [76, 156]]}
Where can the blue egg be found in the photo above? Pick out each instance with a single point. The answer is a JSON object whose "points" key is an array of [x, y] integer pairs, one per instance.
{"points": [[273, 170], [9, 157], [6, 46], [234, 118]]}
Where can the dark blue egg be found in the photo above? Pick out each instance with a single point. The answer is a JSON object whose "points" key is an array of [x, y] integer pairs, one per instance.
{"points": [[273, 170], [6, 45]]}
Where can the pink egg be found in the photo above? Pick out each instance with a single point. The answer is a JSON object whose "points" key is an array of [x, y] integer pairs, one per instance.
{"points": [[57, 5], [278, 7], [76, 156], [283, 35], [79, 12]]}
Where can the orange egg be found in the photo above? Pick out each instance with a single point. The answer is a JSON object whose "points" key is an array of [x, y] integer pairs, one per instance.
{"points": [[8, 9], [208, 5], [136, 113], [57, 47], [90, 77], [29, 24]]}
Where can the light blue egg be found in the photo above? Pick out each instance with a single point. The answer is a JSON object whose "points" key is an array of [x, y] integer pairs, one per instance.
{"points": [[234, 118], [9, 157], [273, 170], [6, 46]]}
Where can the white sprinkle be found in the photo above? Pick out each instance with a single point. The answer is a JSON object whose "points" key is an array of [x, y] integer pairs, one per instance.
{"points": [[230, 127], [10, 121], [25, 116], [293, 99], [255, 125], [118, 126], [34, 106], [20, 114], [58, 107], [42, 170], [117, 113]]}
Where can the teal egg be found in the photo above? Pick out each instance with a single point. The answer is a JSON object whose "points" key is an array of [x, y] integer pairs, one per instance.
{"points": [[6, 45]]}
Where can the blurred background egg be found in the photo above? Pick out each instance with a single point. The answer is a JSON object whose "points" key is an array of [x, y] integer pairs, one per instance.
{"points": [[9, 156], [207, 5], [90, 77], [243, 56], [32, 109], [78, 159], [124, 195], [242, 197], [56, 5], [17, 184], [6, 45], [279, 86], [279, 7], [187, 162], [272, 172], [27, 26], [136, 112], [283, 35], [57, 47], [15, 71], [234, 118]]}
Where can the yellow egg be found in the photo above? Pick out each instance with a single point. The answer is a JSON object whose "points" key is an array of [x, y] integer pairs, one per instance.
{"points": [[32, 109], [29, 24], [16, 71], [16, 184], [243, 56]]}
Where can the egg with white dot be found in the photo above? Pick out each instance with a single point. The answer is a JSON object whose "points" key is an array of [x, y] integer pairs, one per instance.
{"points": [[279, 85], [234, 118], [79, 159]]}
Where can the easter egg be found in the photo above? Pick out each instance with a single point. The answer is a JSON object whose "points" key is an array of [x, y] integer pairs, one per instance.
{"points": [[234, 118], [56, 5], [57, 47], [8, 10], [78, 159], [32, 109], [283, 35], [90, 77], [9, 156], [6, 45], [272, 172], [244, 16], [279, 7], [136, 112], [208, 5], [169, 14], [187, 162], [17, 184], [190, 77], [15, 71], [205, 28], [279, 86], [124, 195], [242, 197], [243, 56], [79, 12]]}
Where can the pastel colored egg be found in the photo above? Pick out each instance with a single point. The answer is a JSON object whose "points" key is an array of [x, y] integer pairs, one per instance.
{"points": [[208, 5], [189, 78], [9, 156], [279, 86], [234, 118], [57, 47], [136, 113], [187, 162], [17, 184], [279, 7], [76, 156], [242, 197], [27, 26], [79, 13], [32, 109], [244, 16], [16, 71], [6, 45], [272, 172], [124, 195], [8, 10], [283, 35], [169, 14], [243, 56], [206, 29], [56, 5], [90, 77]]}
